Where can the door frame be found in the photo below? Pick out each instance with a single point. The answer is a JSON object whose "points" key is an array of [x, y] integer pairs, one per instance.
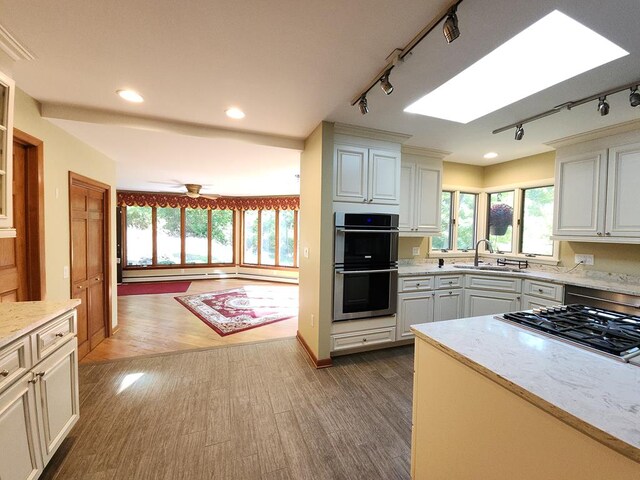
{"points": [[36, 267], [86, 182]]}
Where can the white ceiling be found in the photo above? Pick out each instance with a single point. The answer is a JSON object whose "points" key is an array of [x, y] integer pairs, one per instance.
{"points": [[289, 64]]}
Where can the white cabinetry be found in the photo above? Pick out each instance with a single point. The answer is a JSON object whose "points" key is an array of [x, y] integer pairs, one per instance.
{"points": [[420, 193], [413, 308], [366, 175], [7, 86], [38, 409], [488, 295], [448, 304], [596, 191], [537, 294]]}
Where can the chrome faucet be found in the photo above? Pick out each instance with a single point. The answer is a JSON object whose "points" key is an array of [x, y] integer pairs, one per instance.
{"points": [[475, 258]]}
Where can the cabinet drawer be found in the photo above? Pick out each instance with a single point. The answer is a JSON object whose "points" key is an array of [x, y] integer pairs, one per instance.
{"points": [[15, 360], [498, 284], [53, 334], [362, 339], [542, 290], [416, 284], [449, 281]]}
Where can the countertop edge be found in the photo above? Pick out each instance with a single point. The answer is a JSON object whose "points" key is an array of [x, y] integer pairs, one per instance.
{"points": [[64, 306], [597, 434]]}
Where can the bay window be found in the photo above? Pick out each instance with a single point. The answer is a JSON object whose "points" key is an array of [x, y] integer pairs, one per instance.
{"points": [[270, 238]]}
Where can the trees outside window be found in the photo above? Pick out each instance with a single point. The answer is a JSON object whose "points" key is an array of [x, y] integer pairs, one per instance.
{"points": [[270, 237], [458, 211], [139, 245]]}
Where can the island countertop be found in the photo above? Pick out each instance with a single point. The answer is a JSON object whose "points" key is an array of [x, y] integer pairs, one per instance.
{"points": [[18, 318], [595, 394]]}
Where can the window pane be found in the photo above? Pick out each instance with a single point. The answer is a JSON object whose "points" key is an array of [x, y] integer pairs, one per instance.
{"points": [[169, 235], [250, 236], [537, 220], [285, 229], [467, 221], [501, 220], [139, 244], [268, 238], [443, 241], [222, 236], [196, 224]]}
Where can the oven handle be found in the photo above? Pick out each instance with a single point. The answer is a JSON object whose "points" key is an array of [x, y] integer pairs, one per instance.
{"points": [[353, 272], [364, 230]]}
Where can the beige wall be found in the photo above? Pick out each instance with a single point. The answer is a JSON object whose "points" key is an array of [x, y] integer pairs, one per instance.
{"points": [[527, 169], [316, 235], [462, 175], [64, 153], [607, 257]]}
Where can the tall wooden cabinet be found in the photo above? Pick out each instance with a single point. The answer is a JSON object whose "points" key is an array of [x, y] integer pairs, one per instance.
{"points": [[596, 191]]}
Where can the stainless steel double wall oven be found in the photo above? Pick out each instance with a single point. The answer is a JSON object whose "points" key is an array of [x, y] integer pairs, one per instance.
{"points": [[366, 265]]}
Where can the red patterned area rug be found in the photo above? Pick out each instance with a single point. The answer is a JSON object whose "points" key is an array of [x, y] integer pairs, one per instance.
{"points": [[239, 309], [152, 288]]}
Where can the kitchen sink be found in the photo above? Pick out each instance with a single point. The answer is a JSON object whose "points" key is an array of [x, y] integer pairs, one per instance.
{"points": [[492, 268]]}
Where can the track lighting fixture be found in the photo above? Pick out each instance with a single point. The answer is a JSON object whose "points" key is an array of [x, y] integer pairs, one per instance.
{"points": [[362, 105], [634, 97], [603, 106], [450, 28], [385, 84], [519, 132], [450, 31]]}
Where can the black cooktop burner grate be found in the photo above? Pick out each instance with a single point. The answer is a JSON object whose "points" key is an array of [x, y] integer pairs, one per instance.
{"points": [[612, 332]]}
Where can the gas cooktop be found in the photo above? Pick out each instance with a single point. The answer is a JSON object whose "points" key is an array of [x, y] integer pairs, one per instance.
{"points": [[605, 331]]}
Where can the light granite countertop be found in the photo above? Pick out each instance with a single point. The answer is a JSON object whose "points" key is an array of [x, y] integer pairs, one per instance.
{"points": [[609, 282], [19, 318], [595, 394]]}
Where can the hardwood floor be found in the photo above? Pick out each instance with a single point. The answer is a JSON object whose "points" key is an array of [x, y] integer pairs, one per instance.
{"points": [[257, 411], [150, 324]]}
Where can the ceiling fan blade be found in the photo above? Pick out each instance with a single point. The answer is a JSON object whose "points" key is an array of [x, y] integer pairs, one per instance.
{"points": [[212, 196]]}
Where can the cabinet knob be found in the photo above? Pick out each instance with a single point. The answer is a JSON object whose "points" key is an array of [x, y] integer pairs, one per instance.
{"points": [[40, 374], [97, 278], [607, 233], [80, 287], [33, 380], [60, 334], [450, 282], [598, 233], [364, 200], [370, 200], [540, 290], [417, 284], [450, 293], [364, 339], [517, 298], [4, 373]]}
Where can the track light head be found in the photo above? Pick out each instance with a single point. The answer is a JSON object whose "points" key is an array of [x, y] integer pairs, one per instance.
{"points": [[519, 132], [603, 106], [634, 97], [362, 105], [385, 84], [450, 28]]}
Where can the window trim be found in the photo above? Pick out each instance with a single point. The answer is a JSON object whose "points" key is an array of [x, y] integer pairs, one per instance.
{"points": [[455, 206], [277, 265]]}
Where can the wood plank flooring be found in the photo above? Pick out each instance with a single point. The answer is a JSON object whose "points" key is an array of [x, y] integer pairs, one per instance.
{"points": [[150, 324], [256, 411]]}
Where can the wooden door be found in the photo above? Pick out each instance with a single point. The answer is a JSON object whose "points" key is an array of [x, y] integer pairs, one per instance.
{"points": [[89, 220]]}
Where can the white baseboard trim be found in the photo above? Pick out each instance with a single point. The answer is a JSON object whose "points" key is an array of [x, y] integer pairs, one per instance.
{"points": [[209, 276]]}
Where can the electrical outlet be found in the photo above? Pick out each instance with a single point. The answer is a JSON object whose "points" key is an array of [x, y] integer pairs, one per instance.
{"points": [[584, 258], [313, 318], [416, 251]]}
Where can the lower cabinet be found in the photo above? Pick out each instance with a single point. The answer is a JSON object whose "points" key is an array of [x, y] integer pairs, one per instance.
{"points": [[484, 302], [529, 302], [448, 305], [413, 308]]}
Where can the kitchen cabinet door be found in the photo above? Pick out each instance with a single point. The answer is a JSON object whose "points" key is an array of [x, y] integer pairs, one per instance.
{"points": [[57, 391], [580, 194], [623, 214], [350, 171], [478, 302], [407, 184], [428, 196], [413, 308], [448, 305], [384, 177], [19, 447]]}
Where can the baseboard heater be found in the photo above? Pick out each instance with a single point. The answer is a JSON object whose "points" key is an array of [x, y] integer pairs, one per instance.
{"points": [[210, 276]]}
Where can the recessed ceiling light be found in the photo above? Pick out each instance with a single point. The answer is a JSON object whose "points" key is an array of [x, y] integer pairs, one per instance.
{"points": [[234, 112], [130, 96], [550, 51], [490, 155]]}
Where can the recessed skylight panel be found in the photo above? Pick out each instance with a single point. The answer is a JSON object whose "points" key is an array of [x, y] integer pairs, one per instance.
{"points": [[550, 51]]}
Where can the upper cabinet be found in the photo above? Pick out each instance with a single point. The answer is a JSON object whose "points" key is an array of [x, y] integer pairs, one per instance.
{"points": [[6, 158], [597, 184], [366, 166], [420, 191]]}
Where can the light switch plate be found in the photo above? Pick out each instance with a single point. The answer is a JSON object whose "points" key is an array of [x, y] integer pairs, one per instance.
{"points": [[416, 251], [65, 272], [305, 252], [584, 258]]}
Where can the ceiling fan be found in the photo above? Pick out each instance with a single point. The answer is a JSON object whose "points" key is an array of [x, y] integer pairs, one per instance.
{"points": [[193, 191]]}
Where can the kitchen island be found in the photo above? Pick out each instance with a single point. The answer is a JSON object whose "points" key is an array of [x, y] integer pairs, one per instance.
{"points": [[495, 401]]}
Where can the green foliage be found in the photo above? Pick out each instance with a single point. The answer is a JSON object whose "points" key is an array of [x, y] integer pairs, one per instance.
{"points": [[139, 217]]}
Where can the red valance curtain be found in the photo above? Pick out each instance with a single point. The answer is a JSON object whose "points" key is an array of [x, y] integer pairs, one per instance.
{"points": [[151, 199]]}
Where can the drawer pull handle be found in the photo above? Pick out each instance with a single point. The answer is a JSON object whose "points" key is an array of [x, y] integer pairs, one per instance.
{"points": [[80, 287], [417, 284], [97, 278], [540, 290], [364, 339], [4, 373], [450, 282], [60, 334]]}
